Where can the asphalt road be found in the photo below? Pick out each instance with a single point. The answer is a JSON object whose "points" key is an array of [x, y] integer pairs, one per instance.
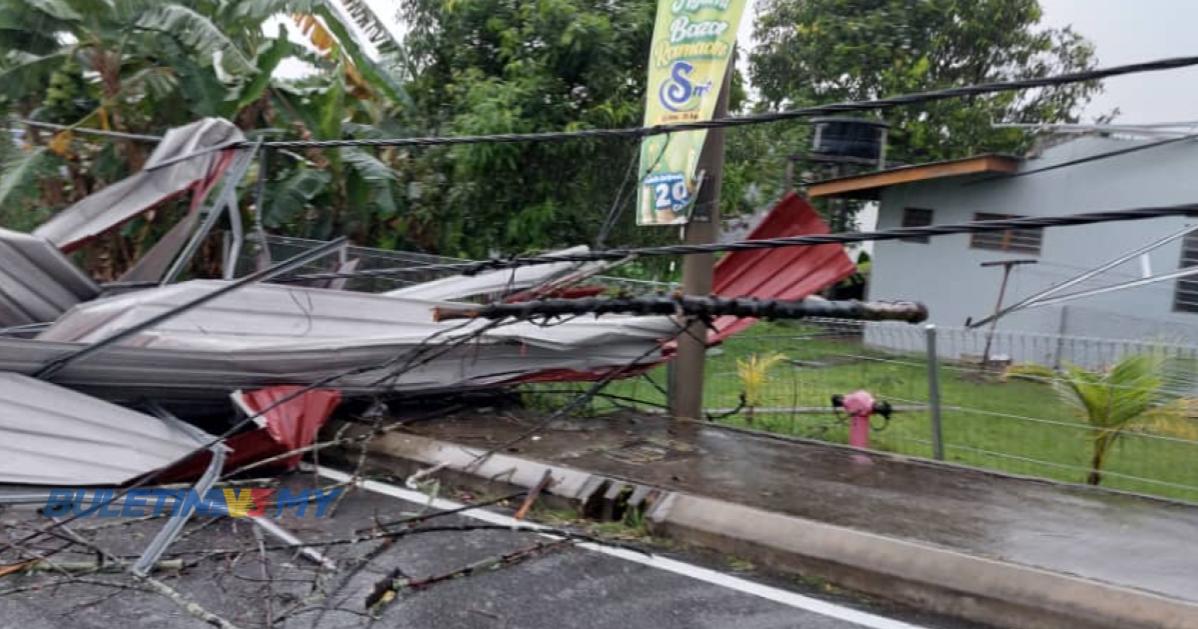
{"points": [[570, 586]]}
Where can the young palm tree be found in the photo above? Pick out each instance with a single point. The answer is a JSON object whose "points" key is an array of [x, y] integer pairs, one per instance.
{"points": [[1112, 401], [753, 374]]}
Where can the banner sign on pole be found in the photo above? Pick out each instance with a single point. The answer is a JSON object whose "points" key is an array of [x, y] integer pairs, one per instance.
{"points": [[693, 42]]}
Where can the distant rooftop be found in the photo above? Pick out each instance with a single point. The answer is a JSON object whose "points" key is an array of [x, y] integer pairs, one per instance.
{"points": [[869, 185]]}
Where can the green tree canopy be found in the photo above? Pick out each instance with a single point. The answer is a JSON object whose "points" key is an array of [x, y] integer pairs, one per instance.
{"points": [[817, 51], [145, 66], [506, 66]]}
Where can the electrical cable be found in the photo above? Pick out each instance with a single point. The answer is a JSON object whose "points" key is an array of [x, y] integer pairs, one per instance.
{"points": [[702, 307], [916, 98], [973, 227], [1085, 160]]}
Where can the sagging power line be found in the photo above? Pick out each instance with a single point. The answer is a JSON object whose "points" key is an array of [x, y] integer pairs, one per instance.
{"points": [[916, 98], [691, 306], [973, 227]]}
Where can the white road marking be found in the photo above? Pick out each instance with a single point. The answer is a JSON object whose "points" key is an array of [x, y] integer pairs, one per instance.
{"points": [[706, 575]]}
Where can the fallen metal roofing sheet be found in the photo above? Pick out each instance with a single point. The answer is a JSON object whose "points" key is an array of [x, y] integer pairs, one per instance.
{"points": [[261, 314], [292, 424], [781, 273], [292, 418], [178, 163], [269, 335], [291, 317], [129, 373], [37, 282], [51, 435], [500, 282]]}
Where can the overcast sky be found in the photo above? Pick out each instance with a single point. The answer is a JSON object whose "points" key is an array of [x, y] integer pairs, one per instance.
{"points": [[1126, 31], [1123, 31]]}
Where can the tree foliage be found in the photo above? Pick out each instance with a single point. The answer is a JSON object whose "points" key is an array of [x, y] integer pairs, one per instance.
{"points": [[504, 66], [817, 51], [475, 67], [1113, 400], [145, 66]]}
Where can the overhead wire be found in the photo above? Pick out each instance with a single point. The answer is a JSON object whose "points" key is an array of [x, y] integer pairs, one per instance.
{"points": [[915, 98], [973, 227], [1085, 160]]}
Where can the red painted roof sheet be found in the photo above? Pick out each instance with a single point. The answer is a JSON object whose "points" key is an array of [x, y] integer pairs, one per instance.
{"points": [[291, 425], [292, 420], [782, 273]]}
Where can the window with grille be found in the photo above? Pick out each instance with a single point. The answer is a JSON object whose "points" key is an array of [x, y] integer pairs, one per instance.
{"points": [[1185, 295], [1014, 240], [916, 217]]}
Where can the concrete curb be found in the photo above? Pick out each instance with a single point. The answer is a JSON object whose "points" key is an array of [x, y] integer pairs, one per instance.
{"points": [[915, 573]]}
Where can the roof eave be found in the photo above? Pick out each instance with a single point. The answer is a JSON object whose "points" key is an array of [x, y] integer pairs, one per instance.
{"points": [[870, 185]]}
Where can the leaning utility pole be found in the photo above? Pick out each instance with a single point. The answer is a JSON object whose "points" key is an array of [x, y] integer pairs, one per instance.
{"points": [[686, 385], [1006, 265]]}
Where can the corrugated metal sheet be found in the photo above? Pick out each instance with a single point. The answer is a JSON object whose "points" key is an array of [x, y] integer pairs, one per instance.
{"points": [[127, 373], [37, 282], [291, 425], [269, 335], [293, 317], [161, 178], [496, 283], [50, 435], [292, 422], [258, 315], [782, 273]]}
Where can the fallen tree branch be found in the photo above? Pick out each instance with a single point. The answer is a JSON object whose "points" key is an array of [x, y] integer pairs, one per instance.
{"points": [[396, 582], [46, 565], [191, 607], [458, 528], [545, 483]]}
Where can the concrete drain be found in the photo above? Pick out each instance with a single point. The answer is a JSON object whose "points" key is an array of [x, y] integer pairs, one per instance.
{"points": [[614, 501]]}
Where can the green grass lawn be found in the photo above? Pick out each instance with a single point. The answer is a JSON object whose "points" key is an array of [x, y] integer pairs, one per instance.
{"points": [[1015, 426]]}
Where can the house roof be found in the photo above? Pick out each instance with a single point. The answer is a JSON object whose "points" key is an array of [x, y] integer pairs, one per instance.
{"points": [[869, 185]]}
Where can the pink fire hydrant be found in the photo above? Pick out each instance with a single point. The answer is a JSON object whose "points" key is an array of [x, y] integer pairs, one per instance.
{"points": [[860, 405]]}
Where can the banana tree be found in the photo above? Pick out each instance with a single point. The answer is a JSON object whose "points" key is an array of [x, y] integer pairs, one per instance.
{"points": [[146, 65]]}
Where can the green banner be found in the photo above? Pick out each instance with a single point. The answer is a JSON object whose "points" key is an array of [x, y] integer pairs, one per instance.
{"points": [[693, 42]]}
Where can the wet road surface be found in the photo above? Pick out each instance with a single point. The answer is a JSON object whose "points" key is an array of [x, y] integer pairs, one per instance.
{"points": [[589, 586], [1137, 542]]}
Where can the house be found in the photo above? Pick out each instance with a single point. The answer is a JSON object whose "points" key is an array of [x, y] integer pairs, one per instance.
{"points": [[1085, 174]]}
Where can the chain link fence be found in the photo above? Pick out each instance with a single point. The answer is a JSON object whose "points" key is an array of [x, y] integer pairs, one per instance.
{"points": [[1009, 416]]}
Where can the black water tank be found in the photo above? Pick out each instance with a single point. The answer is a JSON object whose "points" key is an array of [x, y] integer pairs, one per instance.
{"points": [[849, 137]]}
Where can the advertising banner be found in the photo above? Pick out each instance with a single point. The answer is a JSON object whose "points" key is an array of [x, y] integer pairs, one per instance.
{"points": [[693, 42]]}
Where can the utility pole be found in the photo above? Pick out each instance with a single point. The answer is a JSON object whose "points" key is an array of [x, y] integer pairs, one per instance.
{"points": [[686, 386], [1006, 265]]}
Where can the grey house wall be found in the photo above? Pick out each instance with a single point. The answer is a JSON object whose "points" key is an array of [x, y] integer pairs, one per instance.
{"points": [[945, 273]]}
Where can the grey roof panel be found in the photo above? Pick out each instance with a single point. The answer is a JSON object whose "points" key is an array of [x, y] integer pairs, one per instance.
{"points": [[494, 282], [51, 435], [37, 282], [198, 366], [162, 177]]}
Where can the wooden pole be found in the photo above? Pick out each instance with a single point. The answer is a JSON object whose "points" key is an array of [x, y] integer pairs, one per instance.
{"points": [[1006, 265], [686, 385]]}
